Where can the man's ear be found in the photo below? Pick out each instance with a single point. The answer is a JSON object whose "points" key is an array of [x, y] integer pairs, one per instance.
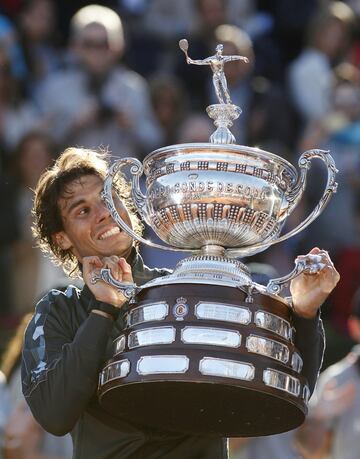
{"points": [[61, 239]]}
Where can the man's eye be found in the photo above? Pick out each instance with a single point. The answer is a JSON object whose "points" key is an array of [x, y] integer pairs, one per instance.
{"points": [[84, 211]]}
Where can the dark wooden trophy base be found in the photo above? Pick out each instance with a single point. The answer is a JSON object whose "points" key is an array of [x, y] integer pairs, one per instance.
{"points": [[195, 402]]}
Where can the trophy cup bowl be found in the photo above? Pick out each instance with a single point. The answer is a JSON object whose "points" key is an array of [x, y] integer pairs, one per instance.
{"points": [[205, 350], [228, 196], [218, 201]]}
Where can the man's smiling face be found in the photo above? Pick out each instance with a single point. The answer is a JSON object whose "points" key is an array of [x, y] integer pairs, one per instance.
{"points": [[89, 228]]}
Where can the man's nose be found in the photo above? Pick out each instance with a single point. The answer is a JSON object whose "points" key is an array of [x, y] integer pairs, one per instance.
{"points": [[102, 211]]}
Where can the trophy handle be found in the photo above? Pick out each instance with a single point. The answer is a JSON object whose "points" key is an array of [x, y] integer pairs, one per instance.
{"points": [[296, 193], [136, 170], [138, 197], [310, 264], [128, 289]]}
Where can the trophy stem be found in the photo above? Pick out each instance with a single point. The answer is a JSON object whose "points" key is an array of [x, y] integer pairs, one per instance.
{"points": [[223, 116], [214, 250], [207, 269]]}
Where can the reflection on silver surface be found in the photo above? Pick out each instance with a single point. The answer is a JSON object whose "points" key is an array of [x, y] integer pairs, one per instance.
{"points": [[268, 347], [224, 312], [119, 344], [226, 368], [147, 313], [115, 370], [154, 364], [296, 362], [281, 381], [306, 393], [211, 336], [150, 336], [273, 323]]}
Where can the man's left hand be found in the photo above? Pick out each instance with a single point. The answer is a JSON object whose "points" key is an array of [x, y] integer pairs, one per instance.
{"points": [[310, 290]]}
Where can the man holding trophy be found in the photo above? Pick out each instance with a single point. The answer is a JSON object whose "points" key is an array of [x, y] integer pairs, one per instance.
{"points": [[185, 358]]}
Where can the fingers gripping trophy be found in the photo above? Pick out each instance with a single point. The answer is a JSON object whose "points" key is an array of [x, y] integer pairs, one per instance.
{"points": [[205, 349]]}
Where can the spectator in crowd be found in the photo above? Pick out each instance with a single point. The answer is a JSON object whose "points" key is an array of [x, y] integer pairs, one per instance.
{"points": [[38, 35], [267, 118], [339, 132], [21, 437], [348, 257], [209, 14], [172, 20], [311, 75], [197, 127], [30, 269], [9, 233], [17, 116], [283, 29], [164, 22], [338, 227], [169, 19], [97, 101], [281, 446], [332, 427], [10, 41], [4, 408], [170, 105]]}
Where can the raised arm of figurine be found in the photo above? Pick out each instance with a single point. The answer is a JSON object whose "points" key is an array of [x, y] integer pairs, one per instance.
{"points": [[184, 46], [207, 61]]}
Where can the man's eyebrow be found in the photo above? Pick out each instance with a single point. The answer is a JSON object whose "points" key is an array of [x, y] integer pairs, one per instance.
{"points": [[74, 204]]}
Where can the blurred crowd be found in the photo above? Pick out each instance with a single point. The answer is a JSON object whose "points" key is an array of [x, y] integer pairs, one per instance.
{"points": [[112, 76]]}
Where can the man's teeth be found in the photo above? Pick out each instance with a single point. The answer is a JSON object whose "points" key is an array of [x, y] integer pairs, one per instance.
{"points": [[109, 233]]}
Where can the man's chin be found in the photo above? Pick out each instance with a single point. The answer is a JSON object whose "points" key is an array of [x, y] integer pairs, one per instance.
{"points": [[120, 250]]}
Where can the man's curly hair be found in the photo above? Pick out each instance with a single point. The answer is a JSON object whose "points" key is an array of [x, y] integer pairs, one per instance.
{"points": [[71, 165]]}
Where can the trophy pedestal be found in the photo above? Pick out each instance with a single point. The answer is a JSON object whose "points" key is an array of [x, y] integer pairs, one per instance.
{"points": [[209, 269], [204, 361], [223, 116]]}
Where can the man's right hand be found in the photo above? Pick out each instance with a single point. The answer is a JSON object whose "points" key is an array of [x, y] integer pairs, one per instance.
{"points": [[104, 292]]}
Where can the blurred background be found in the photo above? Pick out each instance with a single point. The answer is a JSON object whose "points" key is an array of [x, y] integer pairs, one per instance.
{"points": [[123, 84]]}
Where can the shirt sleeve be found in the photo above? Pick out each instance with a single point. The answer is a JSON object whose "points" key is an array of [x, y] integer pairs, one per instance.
{"points": [[310, 341], [60, 371]]}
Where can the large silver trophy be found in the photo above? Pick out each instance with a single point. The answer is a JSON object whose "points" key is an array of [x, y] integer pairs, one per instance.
{"points": [[205, 349]]}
